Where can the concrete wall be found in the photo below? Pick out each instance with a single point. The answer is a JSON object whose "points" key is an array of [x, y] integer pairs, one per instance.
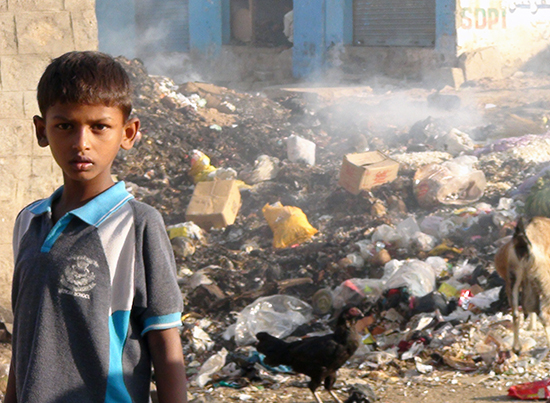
{"points": [[504, 33], [31, 33]]}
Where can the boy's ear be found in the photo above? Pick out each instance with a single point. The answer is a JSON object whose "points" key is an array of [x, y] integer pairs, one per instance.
{"points": [[40, 130], [131, 129]]}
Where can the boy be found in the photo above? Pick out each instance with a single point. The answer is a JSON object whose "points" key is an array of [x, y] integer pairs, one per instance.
{"points": [[95, 296]]}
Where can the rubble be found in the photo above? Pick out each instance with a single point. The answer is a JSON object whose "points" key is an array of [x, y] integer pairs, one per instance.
{"points": [[420, 268], [349, 260]]}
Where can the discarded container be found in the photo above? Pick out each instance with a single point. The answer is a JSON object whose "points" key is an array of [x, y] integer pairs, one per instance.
{"points": [[300, 150], [279, 315], [212, 365], [289, 225], [322, 301], [214, 204], [363, 171], [448, 183]]}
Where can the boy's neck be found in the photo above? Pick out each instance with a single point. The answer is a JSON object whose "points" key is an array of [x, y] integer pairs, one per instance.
{"points": [[74, 196]]}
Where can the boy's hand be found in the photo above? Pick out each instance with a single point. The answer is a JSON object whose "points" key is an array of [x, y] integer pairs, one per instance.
{"points": [[168, 361], [11, 396]]}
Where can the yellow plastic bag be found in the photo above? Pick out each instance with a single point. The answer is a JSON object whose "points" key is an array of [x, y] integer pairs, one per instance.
{"points": [[289, 225], [200, 167]]}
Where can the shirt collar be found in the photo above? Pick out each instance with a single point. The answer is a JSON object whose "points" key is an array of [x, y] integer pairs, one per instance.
{"points": [[96, 210]]}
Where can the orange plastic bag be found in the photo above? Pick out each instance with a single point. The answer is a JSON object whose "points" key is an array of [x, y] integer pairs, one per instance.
{"points": [[289, 225]]}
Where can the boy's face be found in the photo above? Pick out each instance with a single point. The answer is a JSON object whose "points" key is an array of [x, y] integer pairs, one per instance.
{"points": [[84, 140]]}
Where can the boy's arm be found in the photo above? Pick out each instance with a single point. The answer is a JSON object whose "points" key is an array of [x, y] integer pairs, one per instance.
{"points": [[168, 361], [11, 396]]}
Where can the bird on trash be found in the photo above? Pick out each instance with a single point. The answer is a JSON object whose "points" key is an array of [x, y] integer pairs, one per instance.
{"points": [[318, 357]]}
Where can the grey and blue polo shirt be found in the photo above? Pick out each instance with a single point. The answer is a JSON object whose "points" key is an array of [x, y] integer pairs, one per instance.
{"points": [[85, 292]]}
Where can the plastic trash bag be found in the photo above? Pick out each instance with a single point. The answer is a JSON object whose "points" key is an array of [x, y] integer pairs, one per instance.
{"points": [[439, 265], [417, 276], [202, 171], [278, 315], [300, 149], [431, 224], [463, 269], [453, 182], [289, 225], [484, 299], [531, 390], [201, 340], [454, 142], [386, 234], [265, 168], [390, 268], [187, 229], [200, 166], [354, 290], [407, 230]]}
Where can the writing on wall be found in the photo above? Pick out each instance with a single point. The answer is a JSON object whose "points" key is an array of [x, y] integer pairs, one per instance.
{"points": [[531, 5], [483, 18]]}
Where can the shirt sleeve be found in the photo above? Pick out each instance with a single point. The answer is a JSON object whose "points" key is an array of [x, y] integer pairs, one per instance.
{"points": [[22, 223], [158, 299]]}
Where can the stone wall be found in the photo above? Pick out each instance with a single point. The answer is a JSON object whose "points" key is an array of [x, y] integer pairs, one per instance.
{"points": [[32, 32]]}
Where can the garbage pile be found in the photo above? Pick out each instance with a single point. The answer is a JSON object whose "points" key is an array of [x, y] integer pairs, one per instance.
{"points": [[308, 207]]}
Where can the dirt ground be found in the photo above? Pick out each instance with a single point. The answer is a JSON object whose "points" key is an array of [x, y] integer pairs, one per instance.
{"points": [[441, 386]]}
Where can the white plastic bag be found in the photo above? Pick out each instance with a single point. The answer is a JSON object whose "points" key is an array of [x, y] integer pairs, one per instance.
{"points": [[416, 275], [278, 315]]}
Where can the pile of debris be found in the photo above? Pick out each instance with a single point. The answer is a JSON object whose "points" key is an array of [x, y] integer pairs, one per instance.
{"points": [[413, 249]]}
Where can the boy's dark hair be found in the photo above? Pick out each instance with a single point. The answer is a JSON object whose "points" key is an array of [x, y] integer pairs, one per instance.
{"points": [[89, 78]]}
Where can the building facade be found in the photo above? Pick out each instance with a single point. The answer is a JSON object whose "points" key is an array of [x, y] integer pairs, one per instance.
{"points": [[395, 37]]}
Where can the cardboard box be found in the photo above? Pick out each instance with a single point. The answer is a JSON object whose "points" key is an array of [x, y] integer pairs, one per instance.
{"points": [[363, 171], [214, 204]]}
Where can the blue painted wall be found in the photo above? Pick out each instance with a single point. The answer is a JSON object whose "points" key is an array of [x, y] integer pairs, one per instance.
{"points": [[339, 22], [308, 52], [117, 27], [209, 26], [226, 21], [445, 25]]}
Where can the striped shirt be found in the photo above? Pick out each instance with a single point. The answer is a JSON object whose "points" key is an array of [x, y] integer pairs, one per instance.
{"points": [[85, 292]]}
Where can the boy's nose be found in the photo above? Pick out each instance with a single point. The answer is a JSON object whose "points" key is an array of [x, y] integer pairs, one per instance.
{"points": [[82, 141]]}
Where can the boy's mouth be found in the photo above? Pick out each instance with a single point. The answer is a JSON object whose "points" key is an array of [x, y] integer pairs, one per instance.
{"points": [[81, 163]]}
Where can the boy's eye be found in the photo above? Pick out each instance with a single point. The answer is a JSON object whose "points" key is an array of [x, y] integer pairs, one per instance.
{"points": [[64, 126], [100, 126]]}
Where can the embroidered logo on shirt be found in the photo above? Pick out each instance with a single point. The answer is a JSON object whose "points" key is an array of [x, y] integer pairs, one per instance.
{"points": [[79, 277]]}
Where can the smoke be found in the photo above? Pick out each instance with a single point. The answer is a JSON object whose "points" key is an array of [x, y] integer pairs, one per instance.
{"points": [[177, 66]]}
